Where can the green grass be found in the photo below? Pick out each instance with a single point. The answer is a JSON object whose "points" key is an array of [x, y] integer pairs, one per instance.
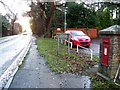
{"points": [[69, 63], [48, 48], [99, 82], [63, 61]]}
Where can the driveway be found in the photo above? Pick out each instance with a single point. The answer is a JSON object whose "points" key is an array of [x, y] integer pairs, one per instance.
{"points": [[95, 47]]}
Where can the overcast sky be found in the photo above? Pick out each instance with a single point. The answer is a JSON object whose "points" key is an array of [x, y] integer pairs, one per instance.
{"points": [[17, 6], [20, 6]]}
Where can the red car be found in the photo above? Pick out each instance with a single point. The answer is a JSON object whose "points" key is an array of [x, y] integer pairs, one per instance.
{"points": [[79, 38]]}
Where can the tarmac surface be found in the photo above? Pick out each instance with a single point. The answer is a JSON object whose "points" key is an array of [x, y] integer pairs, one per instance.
{"points": [[95, 47], [34, 73]]}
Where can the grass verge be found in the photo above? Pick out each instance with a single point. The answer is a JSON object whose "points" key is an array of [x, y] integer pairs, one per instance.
{"points": [[63, 62], [70, 62], [99, 82]]}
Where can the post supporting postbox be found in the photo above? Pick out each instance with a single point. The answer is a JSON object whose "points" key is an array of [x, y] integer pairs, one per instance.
{"points": [[109, 52]]}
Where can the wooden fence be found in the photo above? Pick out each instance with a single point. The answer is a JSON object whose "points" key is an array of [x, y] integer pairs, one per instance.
{"points": [[91, 32]]}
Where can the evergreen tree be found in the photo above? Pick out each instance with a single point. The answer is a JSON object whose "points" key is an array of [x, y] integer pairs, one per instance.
{"points": [[80, 16]]}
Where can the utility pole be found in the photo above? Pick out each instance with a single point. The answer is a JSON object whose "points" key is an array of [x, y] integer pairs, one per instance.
{"points": [[65, 13], [65, 20]]}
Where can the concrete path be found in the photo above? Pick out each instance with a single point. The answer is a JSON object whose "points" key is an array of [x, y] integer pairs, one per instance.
{"points": [[34, 73]]}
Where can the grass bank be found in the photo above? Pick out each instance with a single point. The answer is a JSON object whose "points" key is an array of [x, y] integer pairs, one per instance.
{"points": [[69, 62], [63, 62], [99, 82]]}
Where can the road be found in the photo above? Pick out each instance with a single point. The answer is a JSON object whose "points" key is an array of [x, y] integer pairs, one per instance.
{"points": [[10, 48]]}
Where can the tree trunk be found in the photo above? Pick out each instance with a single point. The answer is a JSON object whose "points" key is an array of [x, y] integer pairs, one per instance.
{"points": [[50, 17]]}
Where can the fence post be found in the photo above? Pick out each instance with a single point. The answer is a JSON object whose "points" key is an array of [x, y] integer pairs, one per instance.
{"points": [[86, 49], [91, 53], [68, 43], [58, 46], [77, 48]]}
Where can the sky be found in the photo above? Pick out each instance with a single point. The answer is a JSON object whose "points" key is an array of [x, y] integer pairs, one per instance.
{"points": [[17, 6], [20, 6]]}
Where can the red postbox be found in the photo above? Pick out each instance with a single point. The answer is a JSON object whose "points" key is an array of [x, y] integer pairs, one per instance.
{"points": [[105, 51]]}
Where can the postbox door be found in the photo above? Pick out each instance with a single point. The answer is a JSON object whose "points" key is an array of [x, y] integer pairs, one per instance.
{"points": [[105, 51]]}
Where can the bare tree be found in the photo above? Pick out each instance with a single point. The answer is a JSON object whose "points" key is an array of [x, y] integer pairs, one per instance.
{"points": [[12, 16]]}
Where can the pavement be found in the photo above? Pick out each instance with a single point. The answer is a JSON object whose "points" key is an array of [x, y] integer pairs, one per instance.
{"points": [[34, 73]]}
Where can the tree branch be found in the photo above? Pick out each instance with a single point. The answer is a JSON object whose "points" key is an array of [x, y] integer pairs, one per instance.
{"points": [[6, 7]]}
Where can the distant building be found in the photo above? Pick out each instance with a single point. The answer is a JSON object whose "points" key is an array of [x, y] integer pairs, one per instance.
{"points": [[17, 28]]}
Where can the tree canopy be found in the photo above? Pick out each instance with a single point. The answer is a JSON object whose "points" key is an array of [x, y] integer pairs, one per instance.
{"points": [[44, 15], [5, 22], [80, 16], [4, 25], [104, 18]]}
